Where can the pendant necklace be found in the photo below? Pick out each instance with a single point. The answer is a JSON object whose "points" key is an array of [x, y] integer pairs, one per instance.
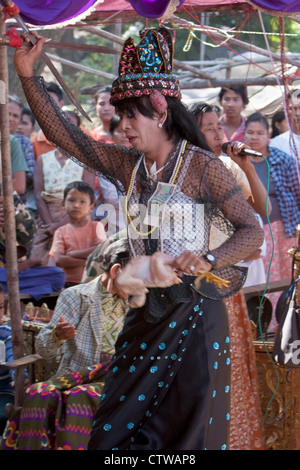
{"points": [[151, 175], [132, 181]]}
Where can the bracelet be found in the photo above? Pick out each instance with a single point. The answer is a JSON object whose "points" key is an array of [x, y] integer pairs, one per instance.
{"points": [[55, 337]]}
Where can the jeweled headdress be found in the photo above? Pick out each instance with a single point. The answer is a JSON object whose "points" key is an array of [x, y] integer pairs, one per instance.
{"points": [[146, 68]]}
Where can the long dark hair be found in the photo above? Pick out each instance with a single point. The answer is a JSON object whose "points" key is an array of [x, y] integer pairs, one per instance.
{"points": [[277, 117], [257, 117], [180, 121]]}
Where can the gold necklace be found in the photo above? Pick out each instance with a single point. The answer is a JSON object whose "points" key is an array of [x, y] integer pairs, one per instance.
{"points": [[132, 180]]}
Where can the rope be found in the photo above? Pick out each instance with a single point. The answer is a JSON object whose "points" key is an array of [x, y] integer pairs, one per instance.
{"points": [[14, 38], [10, 11]]}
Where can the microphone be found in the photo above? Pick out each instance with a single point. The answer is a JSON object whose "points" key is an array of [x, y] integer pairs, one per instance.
{"points": [[244, 152]]}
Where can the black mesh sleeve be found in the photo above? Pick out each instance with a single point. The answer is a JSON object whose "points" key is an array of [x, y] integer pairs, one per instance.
{"points": [[113, 162]]}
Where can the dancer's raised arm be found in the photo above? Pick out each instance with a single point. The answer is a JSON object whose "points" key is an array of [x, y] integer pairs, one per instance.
{"points": [[110, 160]]}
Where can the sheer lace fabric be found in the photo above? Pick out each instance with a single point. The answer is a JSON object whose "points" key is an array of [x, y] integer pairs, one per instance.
{"points": [[228, 225]]}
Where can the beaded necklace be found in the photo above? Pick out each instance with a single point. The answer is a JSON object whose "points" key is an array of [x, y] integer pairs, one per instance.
{"points": [[152, 174], [132, 181]]}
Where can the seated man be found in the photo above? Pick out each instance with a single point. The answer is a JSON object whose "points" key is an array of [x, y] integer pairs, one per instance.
{"points": [[84, 326], [76, 328], [93, 265], [35, 278]]}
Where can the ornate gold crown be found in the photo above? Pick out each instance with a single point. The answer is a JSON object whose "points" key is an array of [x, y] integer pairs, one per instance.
{"points": [[146, 67]]}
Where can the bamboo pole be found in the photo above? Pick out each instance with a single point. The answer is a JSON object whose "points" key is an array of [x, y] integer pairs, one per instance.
{"points": [[119, 40], [185, 83], [81, 47], [83, 68], [212, 33], [10, 228], [4, 41], [189, 83], [205, 80], [207, 31], [101, 32]]}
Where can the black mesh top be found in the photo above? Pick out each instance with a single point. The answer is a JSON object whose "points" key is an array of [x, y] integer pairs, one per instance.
{"points": [[205, 180]]}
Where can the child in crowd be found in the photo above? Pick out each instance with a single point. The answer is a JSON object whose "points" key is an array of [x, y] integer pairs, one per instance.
{"points": [[73, 242]]}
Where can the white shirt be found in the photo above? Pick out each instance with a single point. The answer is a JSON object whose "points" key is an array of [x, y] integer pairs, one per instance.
{"points": [[288, 142], [115, 218], [256, 270]]}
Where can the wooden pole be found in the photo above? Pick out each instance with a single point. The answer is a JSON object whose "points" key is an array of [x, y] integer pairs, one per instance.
{"points": [[10, 228]]}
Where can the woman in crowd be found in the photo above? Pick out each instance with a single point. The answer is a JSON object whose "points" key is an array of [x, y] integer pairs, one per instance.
{"points": [[246, 420], [278, 171], [108, 201], [240, 165], [279, 124], [105, 111], [168, 385]]}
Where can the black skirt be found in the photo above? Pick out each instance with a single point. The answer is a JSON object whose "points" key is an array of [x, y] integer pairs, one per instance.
{"points": [[168, 385]]}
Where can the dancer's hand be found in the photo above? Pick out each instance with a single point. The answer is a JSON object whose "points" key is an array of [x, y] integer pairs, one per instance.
{"points": [[189, 263], [26, 55]]}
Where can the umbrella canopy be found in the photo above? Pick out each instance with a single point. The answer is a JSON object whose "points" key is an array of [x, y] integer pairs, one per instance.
{"points": [[56, 12], [153, 9], [50, 12], [126, 9], [278, 6]]}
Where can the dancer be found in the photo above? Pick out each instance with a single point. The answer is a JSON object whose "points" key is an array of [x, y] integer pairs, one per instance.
{"points": [[168, 385]]}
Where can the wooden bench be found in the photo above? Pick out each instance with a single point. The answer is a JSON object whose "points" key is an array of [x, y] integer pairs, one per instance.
{"points": [[274, 286], [49, 299]]}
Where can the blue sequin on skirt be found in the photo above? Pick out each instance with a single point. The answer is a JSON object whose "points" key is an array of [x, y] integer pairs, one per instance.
{"points": [[168, 386]]}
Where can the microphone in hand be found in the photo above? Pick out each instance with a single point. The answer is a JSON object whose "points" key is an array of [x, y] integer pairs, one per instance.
{"points": [[242, 153]]}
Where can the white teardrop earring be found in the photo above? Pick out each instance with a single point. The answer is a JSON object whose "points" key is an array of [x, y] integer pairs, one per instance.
{"points": [[160, 125]]}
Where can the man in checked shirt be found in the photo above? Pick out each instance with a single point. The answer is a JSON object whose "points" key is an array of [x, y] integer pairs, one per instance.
{"points": [[87, 318]]}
